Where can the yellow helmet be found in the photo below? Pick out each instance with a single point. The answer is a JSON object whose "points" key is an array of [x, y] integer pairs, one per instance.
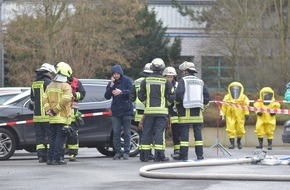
{"points": [[64, 69], [169, 71]]}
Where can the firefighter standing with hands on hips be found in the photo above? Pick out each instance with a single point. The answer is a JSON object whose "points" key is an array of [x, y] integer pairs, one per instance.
{"points": [[139, 106], [40, 119], [57, 104], [170, 74], [235, 117], [266, 122], [191, 97], [155, 92]]}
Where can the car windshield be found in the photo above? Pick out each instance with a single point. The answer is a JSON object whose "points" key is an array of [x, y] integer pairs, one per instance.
{"points": [[6, 96], [17, 98]]}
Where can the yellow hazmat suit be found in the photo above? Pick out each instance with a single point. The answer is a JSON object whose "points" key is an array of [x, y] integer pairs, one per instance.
{"points": [[235, 117], [266, 122]]}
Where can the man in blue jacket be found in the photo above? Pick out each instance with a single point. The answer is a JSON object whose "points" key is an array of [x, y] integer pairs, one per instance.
{"points": [[119, 89]]}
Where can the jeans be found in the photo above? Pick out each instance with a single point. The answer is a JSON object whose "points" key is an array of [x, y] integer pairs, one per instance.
{"points": [[118, 123]]}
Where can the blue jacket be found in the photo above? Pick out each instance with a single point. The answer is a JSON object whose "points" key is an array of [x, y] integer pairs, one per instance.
{"points": [[121, 104]]}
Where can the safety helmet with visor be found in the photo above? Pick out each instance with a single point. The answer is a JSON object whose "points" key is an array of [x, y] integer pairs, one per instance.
{"points": [[169, 71], [46, 67], [147, 68], [188, 66], [64, 69], [157, 64]]}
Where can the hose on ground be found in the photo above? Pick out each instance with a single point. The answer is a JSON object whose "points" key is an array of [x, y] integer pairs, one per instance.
{"points": [[148, 171]]}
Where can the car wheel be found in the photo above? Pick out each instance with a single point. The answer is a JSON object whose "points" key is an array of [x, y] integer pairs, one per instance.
{"points": [[7, 144], [134, 141], [106, 150]]}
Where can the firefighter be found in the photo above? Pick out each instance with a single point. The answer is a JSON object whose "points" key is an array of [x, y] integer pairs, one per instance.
{"points": [[266, 122], [287, 93], [235, 117], [191, 96], [155, 92], [78, 93], [139, 106], [170, 74], [57, 104], [40, 119]]}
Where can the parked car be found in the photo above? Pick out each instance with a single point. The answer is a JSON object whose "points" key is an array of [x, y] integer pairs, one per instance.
{"points": [[286, 132], [13, 89], [6, 96], [97, 132]]}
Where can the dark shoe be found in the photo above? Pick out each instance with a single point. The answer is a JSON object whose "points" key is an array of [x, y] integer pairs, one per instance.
{"points": [[42, 160], [200, 157], [239, 143], [117, 156], [164, 159], [232, 143], [126, 156], [49, 161], [58, 162], [72, 158], [175, 156], [145, 160]]}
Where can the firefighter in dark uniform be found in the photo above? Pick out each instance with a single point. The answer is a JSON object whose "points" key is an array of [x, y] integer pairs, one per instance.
{"points": [[191, 96], [156, 92], [78, 93], [40, 119], [139, 106]]}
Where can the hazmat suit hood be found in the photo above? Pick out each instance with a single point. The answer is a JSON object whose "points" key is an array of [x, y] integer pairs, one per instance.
{"points": [[117, 69], [235, 90], [267, 94]]}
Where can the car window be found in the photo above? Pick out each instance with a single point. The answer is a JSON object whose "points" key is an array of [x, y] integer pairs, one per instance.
{"points": [[94, 93], [5, 97]]}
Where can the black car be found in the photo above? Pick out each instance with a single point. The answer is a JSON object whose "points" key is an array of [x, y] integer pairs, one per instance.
{"points": [[17, 130]]}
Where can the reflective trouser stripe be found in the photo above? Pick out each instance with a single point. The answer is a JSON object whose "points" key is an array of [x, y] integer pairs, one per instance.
{"points": [[146, 147], [159, 147], [184, 143], [198, 143], [75, 146], [40, 146], [176, 147]]}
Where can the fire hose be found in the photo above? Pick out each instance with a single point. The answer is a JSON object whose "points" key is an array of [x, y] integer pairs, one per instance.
{"points": [[148, 171]]}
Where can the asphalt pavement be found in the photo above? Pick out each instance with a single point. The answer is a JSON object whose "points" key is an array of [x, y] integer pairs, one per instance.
{"points": [[95, 171]]}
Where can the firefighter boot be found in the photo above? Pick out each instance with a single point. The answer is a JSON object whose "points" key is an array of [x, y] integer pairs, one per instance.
{"points": [[239, 143], [232, 145], [160, 156], [269, 144], [260, 146]]}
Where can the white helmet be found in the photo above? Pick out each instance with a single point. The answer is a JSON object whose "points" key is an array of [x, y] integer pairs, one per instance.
{"points": [[46, 67], [169, 71], [147, 69], [187, 66], [157, 64]]}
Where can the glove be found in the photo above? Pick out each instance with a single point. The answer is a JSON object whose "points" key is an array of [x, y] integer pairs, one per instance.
{"points": [[30, 106], [222, 121], [260, 114], [79, 120], [246, 117], [272, 114], [140, 125], [67, 130]]}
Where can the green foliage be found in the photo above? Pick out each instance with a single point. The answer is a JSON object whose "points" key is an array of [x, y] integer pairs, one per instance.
{"points": [[153, 41]]}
